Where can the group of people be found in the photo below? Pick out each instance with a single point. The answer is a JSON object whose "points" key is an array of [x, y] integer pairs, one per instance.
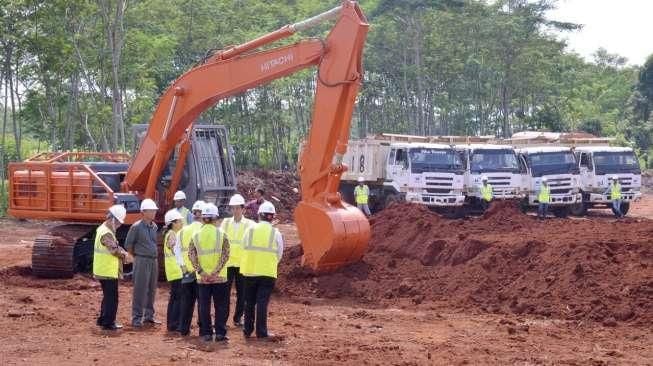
{"points": [[204, 257], [544, 196]]}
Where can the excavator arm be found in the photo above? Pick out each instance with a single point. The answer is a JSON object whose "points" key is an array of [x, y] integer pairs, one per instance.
{"points": [[332, 232]]}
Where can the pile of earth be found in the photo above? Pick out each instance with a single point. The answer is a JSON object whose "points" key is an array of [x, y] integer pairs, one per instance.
{"points": [[281, 188], [503, 262]]}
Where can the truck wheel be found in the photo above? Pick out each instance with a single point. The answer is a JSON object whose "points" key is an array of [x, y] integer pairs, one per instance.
{"points": [[579, 209], [390, 200], [625, 207], [561, 212]]}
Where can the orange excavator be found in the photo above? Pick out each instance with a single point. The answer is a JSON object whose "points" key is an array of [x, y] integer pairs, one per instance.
{"points": [[78, 188]]}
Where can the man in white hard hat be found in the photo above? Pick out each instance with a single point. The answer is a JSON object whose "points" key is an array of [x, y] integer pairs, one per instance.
{"points": [[362, 195], [235, 228], [543, 198], [173, 225], [486, 193], [189, 289], [614, 190], [179, 200], [107, 265], [209, 253], [141, 241], [262, 251]]}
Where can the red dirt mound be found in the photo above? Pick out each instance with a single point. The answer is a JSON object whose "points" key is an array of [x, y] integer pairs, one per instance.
{"points": [[282, 189], [600, 269]]}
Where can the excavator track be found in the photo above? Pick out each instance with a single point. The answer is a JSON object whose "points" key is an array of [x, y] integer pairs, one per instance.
{"points": [[64, 250]]}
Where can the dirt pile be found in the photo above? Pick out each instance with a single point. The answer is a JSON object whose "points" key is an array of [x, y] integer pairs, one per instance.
{"points": [[503, 262], [282, 189]]}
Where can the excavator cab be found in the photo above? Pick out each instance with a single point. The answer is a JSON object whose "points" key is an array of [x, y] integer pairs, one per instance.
{"points": [[208, 173]]}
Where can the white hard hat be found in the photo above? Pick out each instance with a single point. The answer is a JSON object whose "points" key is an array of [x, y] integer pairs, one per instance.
{"points": [[614, 177], [197, 206], [236, 200], [171, 216], [544, 179], [179, 195], [267, 208], [361, 179], [210, 210], [119, 212], [148, 204], [484, 178]]}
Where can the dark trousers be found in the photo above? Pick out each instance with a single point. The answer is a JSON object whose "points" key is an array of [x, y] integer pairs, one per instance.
{"points": [[189, 295], [174, 305], [542, 210], [145, 277], [257, 297], [219, 294], [109, 305], [234, 277]]}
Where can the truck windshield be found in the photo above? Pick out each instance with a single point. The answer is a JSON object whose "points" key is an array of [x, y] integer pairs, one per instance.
{"points": [[559, 162], [493, 160], [616, 162], [429, 160]]}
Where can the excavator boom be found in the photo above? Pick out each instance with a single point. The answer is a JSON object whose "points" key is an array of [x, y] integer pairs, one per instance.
{"points": [[332, 232]]}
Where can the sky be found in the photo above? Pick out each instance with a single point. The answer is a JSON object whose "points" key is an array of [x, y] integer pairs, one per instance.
{"points": [[620, 26]]}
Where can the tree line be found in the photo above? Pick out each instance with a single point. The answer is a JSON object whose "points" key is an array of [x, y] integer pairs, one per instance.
{"points": [[77, 74]]}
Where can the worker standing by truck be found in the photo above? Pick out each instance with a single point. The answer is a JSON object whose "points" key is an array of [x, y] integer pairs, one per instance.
{"points": [[486, 193], [614, 190], [107, 266], [141, 241], [362, 196], [189, 289], [252, 206], [235, 228], [543, 199], [179, 200], [262, 251], [209, 253], [174, 273]]}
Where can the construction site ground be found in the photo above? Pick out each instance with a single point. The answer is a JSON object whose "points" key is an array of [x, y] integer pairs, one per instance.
{"points": [[464, 296]]}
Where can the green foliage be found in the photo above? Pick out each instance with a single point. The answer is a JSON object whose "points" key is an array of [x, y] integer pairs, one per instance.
{"points": [[431, 67]]}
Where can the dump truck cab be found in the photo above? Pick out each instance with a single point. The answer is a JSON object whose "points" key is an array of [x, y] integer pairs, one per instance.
{"points": [[424, 173], [596, 165], [558, 164], [499, 163]]}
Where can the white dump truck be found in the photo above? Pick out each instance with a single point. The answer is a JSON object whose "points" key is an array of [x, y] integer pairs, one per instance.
{"points": [[397, 167], [499, 163], [558, 164], [596, 165]]}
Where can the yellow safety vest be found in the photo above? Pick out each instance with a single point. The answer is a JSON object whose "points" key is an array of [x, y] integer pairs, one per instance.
{"points": [[545, 194], [105, 264], [362, 194], [260, 251], [615, 192], [173, 271], [186, 234], [184, 214], [208, 243], [486, 192], [235, 238]]}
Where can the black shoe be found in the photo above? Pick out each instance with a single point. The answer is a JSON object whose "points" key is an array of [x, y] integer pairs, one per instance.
{"points": [[221, 338], [112, 327], [137, 325], [207, 338], [152, 321], [271, 337]]}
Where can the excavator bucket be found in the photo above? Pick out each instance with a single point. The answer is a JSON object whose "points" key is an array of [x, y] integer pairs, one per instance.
{"points": [[331, 236]]}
